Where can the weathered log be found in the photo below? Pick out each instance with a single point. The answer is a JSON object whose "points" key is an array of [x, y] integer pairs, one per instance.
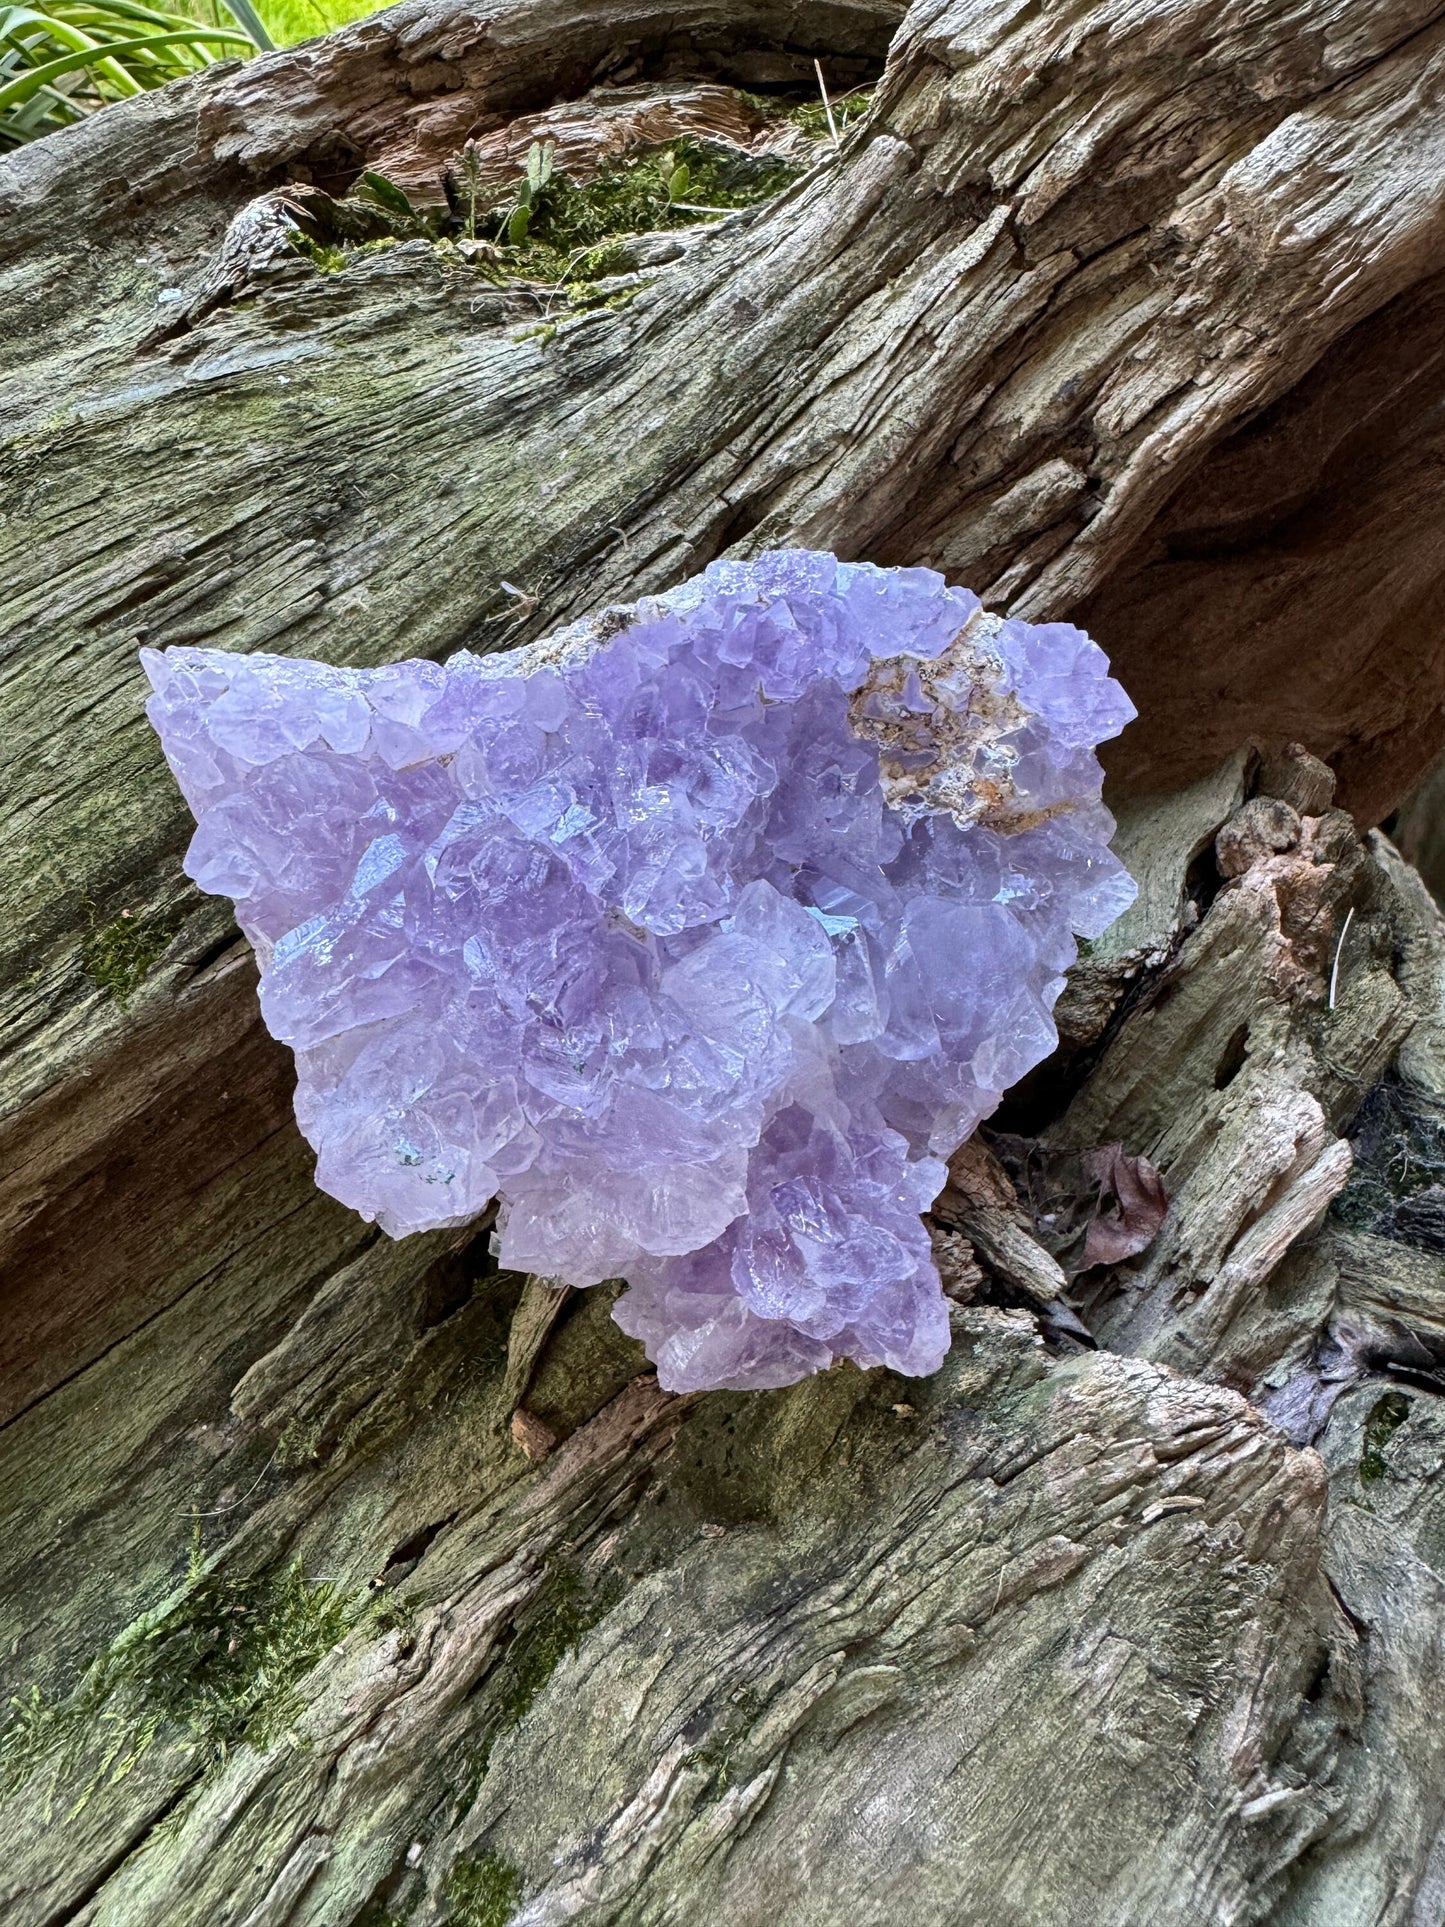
{"points": [[1130, 1614]]}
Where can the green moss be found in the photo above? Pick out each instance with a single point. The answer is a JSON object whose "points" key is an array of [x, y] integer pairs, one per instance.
{"points": [[298, 1444], [575, 231], [562, 1614], [1398, 1136], [483, 1893], [543, 228], [392, 1615], [719, 1754], [1387, 1415], [565, 1609], [117, 956], [587, 1360], [218, 1663], [329, 260]]}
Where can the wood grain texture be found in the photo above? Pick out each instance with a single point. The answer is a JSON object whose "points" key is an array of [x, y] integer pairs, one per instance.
{"points": [[1126, 311]]}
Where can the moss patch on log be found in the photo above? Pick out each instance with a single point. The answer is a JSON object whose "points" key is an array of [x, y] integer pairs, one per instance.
{"points": [[119, 955], [216, 1664], [1397, 1186], [576, 229], [483, 1892], [1387, 1415], [567, 232], [566, 1608], [812, 115]]}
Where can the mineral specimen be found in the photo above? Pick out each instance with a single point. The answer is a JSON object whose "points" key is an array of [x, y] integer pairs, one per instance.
{"points": [[699, 932]]}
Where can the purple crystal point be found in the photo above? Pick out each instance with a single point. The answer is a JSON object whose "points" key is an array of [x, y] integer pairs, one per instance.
{"points": [[698, 933]]}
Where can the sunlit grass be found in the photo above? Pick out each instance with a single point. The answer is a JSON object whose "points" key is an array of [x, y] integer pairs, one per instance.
{"points": [[62, 59], [288, 21]]}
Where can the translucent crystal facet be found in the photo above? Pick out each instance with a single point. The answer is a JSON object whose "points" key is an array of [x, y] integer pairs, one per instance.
{"points": [[698, 933]]}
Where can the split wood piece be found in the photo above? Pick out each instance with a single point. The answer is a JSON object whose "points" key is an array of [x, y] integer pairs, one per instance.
{"points": [[533, 1435], [980, 1199], [637, 1743], [1236, 1073], [538, 1310], [1158, 839], [959, 1271], [1295, 777]]}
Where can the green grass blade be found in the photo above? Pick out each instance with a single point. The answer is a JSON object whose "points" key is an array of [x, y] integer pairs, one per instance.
{"points": [[24, 85], [385, 193], [70, 36], [245, 15], [92, 18]]}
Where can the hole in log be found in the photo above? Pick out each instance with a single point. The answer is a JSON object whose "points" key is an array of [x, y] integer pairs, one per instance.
{"points": [[1231, 1061], [230, 939], [1315, 1691], [455, 1279], [410, 1551], [334, 164], [1203, 880]]}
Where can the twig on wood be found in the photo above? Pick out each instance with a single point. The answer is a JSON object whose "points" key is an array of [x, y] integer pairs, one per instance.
{"points": [[525, 605], [1335, 967], [216, 1511], [559, 286], [827, 104]]}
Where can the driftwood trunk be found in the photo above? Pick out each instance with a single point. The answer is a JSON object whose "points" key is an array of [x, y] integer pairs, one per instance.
{"points": [[349, 1583]]}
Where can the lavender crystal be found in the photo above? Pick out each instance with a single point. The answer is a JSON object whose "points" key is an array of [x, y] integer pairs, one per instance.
{"points": [[699, 933]]}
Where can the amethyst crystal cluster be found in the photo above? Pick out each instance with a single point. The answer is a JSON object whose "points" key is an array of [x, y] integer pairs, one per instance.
{"points": [[699, 933]]}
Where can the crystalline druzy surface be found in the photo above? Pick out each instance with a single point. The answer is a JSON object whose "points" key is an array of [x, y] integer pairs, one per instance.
{"points": [[699, 932]]}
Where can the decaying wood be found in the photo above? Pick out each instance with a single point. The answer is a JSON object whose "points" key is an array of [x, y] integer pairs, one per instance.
{"points": [[1130, 1615], [538, 1309], [980, 1200]]}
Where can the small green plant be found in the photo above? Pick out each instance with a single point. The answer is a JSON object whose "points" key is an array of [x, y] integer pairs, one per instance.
{"points": [[62, 60], [384, 194], [299, 1443], [483, 1893], [329, 260], [575, 234], [470, 182], [1386, 1417], [545, 229], [517, 221], [719, 1754]]}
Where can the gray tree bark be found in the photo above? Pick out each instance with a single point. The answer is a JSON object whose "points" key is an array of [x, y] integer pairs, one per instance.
{"points": [[354, 1583]]}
